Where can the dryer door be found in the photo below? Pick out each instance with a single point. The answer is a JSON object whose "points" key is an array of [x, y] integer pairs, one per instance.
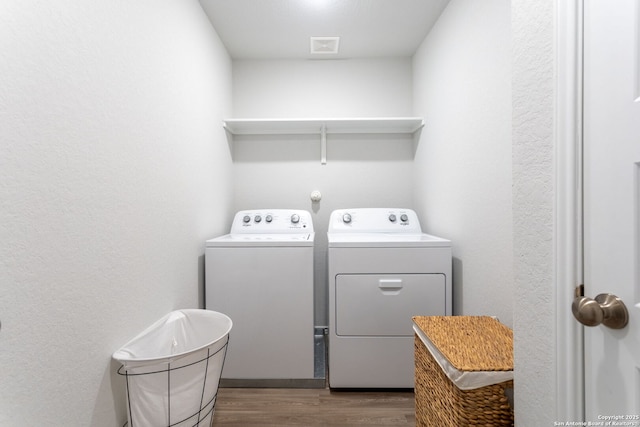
{"points": [[383, 304]]}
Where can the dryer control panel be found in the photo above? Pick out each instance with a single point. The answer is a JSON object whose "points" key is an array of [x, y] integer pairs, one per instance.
{"points": [[374, 220], [272, 221]]}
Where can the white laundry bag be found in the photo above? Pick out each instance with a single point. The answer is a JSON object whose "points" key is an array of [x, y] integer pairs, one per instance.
{"points": [[173, 369]]}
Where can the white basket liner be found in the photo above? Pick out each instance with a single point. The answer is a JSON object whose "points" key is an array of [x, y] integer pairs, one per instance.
{"points": [[173, 369], [175, 335]]}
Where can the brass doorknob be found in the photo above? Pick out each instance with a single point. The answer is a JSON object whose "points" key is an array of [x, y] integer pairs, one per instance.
{"points": [[607, 309]]}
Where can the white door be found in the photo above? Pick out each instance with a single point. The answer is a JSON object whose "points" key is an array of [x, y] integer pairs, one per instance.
{"points": [[612, 204]]}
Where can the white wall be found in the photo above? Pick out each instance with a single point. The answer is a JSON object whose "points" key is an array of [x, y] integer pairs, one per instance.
{"points": [[485, 174], [534, 82], [462, 86], [114, 169], [322, 88], [361, 171]]}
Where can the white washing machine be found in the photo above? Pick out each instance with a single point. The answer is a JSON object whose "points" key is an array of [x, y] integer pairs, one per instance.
{"points": [[382, 271], [261, 276]]}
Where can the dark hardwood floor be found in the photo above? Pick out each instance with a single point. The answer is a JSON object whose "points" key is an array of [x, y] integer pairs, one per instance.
{"points": [[276, 407]]}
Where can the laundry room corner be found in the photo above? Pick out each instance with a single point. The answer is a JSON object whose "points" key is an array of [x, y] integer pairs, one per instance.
{"points": [[462, 170], [160, 156]]}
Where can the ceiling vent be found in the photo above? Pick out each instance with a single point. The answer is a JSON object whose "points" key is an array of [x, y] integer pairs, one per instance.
{"points": [[324, 45]]}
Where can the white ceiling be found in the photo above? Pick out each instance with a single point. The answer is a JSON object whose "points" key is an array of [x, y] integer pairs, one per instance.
{"points": [[278, 29]]}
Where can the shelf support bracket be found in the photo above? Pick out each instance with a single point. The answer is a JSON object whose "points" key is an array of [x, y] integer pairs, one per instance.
{"points": [[323, 144]]}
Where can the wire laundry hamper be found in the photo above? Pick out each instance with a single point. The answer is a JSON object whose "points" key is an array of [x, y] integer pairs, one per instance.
{"points": [[173, 368]]}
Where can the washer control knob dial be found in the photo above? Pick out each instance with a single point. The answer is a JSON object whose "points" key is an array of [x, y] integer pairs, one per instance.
{"points": [[404, 218], [246, 219], [257, 218], [295, 218], [268, 218], [392, 218], [346, 218]]}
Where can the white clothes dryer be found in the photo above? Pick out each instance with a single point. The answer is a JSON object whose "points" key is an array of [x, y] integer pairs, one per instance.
{"points": [[261, 276], [382, 271]]}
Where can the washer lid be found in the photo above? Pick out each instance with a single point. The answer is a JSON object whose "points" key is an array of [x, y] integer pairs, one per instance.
{"points": [[385, 240], [261, 240]]}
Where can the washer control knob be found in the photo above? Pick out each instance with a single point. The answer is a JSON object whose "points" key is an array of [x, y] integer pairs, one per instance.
{"points": [[246, 219], [346, 218], [404, 218], [268, 218], [295, 218], [257, 218], [392, 218]]}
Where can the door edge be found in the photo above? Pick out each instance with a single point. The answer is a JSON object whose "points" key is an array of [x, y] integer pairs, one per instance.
{"points": [[568, 203]]}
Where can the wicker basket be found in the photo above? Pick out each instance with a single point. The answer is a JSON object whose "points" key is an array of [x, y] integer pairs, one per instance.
{"points": [[469, 343]]}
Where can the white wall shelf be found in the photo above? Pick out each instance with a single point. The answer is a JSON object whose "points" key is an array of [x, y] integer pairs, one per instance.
{"points": [[323, 127], [314, 126]]}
